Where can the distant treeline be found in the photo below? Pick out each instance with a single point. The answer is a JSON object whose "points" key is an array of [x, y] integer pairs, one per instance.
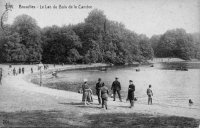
{"points": [[177, 43], [97, 39]]}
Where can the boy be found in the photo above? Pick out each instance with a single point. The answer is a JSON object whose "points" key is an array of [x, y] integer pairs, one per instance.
{"points": [[149, 94]]}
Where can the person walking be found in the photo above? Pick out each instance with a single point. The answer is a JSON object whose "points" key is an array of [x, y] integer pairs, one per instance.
{"points": [[20, 70], [116, 87], [86, 91], [23, 70], [104, 95], [14, 71], [149, 94], [98, 88], [131, 90], [31, 70], [1, 75]]}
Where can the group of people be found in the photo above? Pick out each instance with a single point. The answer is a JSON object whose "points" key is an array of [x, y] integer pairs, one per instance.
{"points": [[103, 92], [16, 72]]}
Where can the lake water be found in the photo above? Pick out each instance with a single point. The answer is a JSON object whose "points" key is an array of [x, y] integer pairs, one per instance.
{"points": [[170, 87]]}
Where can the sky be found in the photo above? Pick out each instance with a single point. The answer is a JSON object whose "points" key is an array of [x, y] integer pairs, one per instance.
{"points": [[141, 16]]}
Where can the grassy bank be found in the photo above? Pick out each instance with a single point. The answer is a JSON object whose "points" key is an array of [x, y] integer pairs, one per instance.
{"points": [[117, 120]]}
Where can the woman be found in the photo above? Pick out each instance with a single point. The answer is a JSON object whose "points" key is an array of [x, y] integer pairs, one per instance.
{"points": [[131, 90], [87, 93]]}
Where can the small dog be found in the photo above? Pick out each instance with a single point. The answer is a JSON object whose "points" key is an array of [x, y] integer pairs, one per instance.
{"points": [[190, 102]]}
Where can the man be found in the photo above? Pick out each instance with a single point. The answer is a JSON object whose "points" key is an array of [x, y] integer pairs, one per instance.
{"points": [[116, 87], [149, 94], [104, 95], [98, 88], [1, 74], [31, 70], [20, 70], [14, 71], [131, 90], [23, 70]]}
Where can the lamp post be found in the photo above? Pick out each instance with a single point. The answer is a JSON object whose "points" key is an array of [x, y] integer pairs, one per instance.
{"points": [[40, 67]]}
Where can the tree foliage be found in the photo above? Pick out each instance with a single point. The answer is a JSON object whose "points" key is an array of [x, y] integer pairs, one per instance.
{"points": [[97, 39], [23, 41], [176, 43]]}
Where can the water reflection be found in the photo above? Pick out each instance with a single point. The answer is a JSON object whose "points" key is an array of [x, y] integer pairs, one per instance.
{"points": [[170, 87]]}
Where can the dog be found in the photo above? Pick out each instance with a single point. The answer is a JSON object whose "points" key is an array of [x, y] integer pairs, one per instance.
{"points": [[190, 102]]}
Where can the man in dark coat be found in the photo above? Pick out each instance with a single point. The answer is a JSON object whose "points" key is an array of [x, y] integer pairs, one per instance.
{"points": [[98, 88], [104, 95], [20, 70], [131, 90], [1, 75], [23, 70], [116, 87], [14, 71]]}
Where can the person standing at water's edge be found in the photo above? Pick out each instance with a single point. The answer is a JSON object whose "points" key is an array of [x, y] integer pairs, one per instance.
{"points": [[104, 95], [98, 88], [149, 94], [131, 90], [116, 87]]}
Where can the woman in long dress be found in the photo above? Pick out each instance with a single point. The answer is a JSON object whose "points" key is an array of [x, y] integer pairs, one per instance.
{"points": [[131, 90], [87, 93]]}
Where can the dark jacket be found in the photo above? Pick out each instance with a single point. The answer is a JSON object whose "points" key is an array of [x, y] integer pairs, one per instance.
{"points": [[116, 85], [131, 90], [98, 86]]}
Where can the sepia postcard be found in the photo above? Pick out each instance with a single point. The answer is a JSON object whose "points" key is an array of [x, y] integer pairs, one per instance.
{"points": [[100, 63]]}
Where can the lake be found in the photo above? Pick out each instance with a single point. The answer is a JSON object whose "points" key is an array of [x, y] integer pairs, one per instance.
{"points": [[171, 87]]}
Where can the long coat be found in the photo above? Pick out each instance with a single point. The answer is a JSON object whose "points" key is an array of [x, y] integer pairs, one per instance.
{"points": [[131, 90]]}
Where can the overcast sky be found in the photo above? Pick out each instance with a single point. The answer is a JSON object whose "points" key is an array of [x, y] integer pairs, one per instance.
{"points": [[142, 16]]}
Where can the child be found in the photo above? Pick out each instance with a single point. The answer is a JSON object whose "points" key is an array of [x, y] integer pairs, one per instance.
{"points": [[149, 94]]}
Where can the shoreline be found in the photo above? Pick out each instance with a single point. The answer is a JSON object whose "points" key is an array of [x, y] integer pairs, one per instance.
{"points": [[64, 99]]}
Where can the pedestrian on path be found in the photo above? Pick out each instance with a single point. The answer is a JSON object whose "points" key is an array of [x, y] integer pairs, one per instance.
{"points": [[98, 88], [1, 75]]}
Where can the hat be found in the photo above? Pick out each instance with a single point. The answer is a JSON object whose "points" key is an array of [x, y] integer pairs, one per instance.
{"points": [[130, 81], [116, 78], [85, 80]]}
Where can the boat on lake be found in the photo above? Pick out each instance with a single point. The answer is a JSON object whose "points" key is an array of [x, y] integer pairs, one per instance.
{"points": [[103, 69], [182, 69]]}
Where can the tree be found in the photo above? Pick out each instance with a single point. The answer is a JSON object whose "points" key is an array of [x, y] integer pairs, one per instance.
{"points": [[61, 45], [24, 42], [176, 43], [154, 40]]}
